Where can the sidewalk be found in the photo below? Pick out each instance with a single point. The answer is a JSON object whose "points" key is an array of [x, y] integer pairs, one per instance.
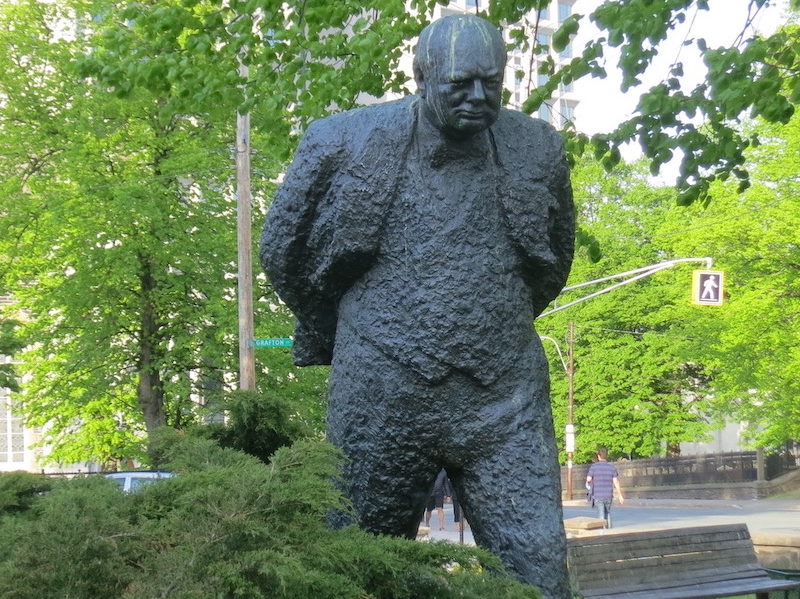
{"points": [[450, 533], [765, 518]]}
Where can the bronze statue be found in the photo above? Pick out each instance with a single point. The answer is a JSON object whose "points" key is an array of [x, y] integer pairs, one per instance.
{"points": [[416, 241]]}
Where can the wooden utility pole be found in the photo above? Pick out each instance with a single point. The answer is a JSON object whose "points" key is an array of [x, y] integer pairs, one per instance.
{"points": [[244, 238], [570, 403]]}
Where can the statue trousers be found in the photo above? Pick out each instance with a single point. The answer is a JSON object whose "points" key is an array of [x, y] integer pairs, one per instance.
{"points": [[496, 442]]}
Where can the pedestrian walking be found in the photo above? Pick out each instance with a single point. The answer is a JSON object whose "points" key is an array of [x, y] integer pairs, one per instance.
{"points": [[602, 480]]}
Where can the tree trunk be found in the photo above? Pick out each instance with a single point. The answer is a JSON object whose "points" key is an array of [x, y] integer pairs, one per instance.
{"points": [[151, 391], [673, 450]]}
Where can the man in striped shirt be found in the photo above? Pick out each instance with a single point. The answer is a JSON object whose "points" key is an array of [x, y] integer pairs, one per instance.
{"points": [[603, 480]]}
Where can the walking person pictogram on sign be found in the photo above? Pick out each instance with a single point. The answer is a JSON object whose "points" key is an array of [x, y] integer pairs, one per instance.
{"points": [[707, 287]]}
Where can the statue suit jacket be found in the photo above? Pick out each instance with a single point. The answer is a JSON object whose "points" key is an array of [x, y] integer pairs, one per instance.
{"points": [[324, 227]]}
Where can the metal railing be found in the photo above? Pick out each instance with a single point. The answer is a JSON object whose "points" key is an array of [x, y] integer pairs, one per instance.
{"points": [[733, 467]]}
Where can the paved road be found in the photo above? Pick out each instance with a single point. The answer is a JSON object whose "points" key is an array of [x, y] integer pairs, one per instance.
{"points": [[766, 515], [645, 514]]}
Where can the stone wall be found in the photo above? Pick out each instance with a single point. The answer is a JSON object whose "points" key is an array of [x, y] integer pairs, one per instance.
{"points": [[733, 491]]}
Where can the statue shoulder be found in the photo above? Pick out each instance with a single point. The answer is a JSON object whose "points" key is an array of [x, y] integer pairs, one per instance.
{"points": [[358, 123], [519, 125], [527, 142]]}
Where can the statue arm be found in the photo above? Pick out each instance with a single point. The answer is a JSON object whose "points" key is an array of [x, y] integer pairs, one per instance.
{"points": [[537, 201], [561, 231], [290, 247]]}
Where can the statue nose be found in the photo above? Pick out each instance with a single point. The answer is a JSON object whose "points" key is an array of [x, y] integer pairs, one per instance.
{"points": [[478, 91]]}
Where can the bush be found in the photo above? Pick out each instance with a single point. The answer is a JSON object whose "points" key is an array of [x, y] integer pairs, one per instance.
{"points": [[77, 542], [18, 490], [229, 526], [257, 424]]}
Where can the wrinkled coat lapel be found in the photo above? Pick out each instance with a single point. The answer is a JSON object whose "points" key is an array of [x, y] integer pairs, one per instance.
{"points": [[325, 226]]}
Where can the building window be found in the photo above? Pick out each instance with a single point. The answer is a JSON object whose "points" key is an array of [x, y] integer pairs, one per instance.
{"points": [[566, 52], [567, 110], [12, 436], [544, 113], [542, 79], [544, 13], [473, 3], [564, 10], [543, 40], [565, 87]]}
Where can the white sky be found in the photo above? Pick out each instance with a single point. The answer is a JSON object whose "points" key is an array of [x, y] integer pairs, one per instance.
{"points": [[603, 105]]}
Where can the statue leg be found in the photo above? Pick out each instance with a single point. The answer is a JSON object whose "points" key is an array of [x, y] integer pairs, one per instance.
{"points": [[377, 416], [513, 515], [510, 488]]}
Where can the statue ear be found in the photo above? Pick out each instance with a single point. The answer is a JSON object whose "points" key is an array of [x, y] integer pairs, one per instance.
{"points": [[419, 78]]}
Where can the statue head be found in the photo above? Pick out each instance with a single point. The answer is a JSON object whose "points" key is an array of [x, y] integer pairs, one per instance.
{"points": [[458, 66]]}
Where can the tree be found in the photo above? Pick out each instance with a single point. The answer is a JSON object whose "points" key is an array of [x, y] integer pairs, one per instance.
{"points": [[116, 288], [652, 368], [304, 59], [118, 240], [634, 390], [749, 342], [316, 56], [757, 77], [117, 230]]}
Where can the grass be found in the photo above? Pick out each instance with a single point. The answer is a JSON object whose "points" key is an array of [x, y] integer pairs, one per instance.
{"points": [[793, 494]]}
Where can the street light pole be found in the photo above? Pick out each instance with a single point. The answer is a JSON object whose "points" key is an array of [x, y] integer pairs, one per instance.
{"points": [[570, 437], [569, 370]]}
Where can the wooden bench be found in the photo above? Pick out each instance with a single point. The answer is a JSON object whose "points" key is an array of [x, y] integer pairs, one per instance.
{"points": [[702, 562]]}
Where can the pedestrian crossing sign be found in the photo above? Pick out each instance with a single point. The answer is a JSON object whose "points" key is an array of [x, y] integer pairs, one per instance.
{"points": [[707, 287]]}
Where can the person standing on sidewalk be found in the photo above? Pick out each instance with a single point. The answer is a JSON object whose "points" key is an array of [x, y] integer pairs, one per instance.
{"points": [[603, 480], [441, 491]]}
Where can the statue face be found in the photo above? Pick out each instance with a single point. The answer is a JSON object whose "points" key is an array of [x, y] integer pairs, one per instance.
{"points": [[463, 86]]}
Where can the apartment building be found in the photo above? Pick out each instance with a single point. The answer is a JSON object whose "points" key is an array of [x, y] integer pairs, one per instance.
{"points": [[17, 442]]}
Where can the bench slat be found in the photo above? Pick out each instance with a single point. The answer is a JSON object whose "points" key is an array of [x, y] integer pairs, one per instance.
{"points": [[732, 577], [633, 575], [738, 529], [734, 555], [692, 549], [636, 542], [698, 591]]}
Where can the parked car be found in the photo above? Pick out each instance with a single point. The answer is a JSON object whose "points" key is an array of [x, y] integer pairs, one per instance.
{"points": [[131, 480]]}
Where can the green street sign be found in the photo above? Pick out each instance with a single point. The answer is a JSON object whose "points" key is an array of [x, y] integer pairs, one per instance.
{"points": [[272, 342]]}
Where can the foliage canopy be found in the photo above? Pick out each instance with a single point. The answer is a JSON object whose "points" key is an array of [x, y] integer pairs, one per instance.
{"points": [[117, 230], [118, 244], [654, 370], [307, 58]]}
